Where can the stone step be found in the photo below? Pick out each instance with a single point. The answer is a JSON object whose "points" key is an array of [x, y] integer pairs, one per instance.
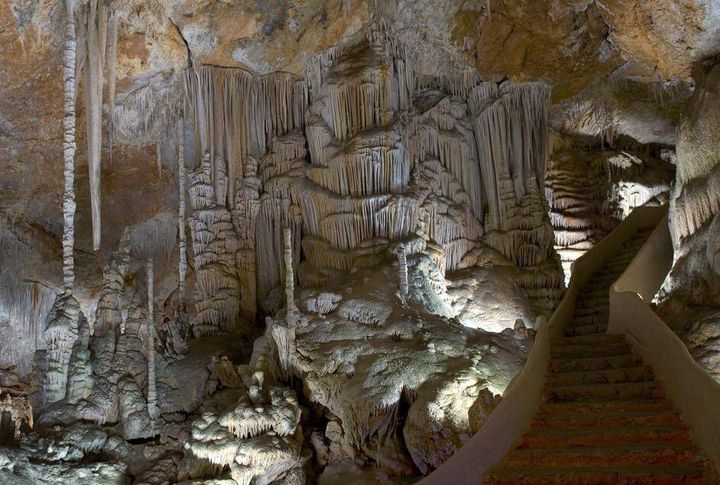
{"points": [[593, 302], [597, 338], [598, 437], [595, 363], [602, 282], [599, 296], [591, 350], [622, 259], [580, 330], [605, 392], [615, 269], [598, 287], [655, 475], [588, 320], [582, 418], [609, 376], [605, 408], [591, 312], [661, 454]]}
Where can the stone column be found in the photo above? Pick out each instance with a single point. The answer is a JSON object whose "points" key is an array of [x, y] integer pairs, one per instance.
{"points": [[292, 310], [152, 393]]}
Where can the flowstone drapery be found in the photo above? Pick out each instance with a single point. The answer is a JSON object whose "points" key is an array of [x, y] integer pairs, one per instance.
{"points": [[245, 129]]}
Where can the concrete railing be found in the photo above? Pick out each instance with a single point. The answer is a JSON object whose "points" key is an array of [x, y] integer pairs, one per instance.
{"points": [[512, 417], [686, 383]]}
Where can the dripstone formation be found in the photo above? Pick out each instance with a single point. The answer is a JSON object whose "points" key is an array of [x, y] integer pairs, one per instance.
{"points": [[310, 242]]}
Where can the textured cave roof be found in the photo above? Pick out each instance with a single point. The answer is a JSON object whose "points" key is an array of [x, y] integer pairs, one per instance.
{"points": [[579, 47]]}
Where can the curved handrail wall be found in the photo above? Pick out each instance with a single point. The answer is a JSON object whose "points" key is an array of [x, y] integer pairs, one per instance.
{"points": [[686, 383], [513, 416]]}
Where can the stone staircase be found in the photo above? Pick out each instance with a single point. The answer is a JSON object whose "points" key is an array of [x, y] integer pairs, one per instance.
{"points": [[605, 419]]}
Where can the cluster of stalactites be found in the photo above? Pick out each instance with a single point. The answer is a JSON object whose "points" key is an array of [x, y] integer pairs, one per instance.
{"points": [[353, 199], [237, 114], [380, 87], [446, 177], [511, 136], [347, 223], [375, 162]]}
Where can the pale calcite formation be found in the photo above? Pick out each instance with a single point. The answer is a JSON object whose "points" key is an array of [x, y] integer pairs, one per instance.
{"points": [[259, 436], [61, 331], [15, 400]]}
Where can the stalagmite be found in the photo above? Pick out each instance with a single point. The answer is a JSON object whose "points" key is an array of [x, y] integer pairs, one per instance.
{"points": [[61, 333], [151, 393], [402, 263], [215, 247], [257, 437], [182, 235], [292, 309], [108, 316], [80, 378], [133, 412], [244, 217], [19, 410], [69, 60]]}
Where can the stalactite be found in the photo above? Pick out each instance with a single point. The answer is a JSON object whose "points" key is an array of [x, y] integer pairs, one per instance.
{"points": [[510, 125], [69, 61], [96, 32], [158, 159], [151, 393], [236, 114], [111, 60]]}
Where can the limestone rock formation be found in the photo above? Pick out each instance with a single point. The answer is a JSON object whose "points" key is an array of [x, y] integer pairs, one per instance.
{"points": [[308, 242]]}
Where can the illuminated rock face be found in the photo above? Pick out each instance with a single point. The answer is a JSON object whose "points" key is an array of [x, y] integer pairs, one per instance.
{"points": [[689, 297]]}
